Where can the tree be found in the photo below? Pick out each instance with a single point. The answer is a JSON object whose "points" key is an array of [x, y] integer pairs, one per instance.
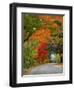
{"points": [[29, 53]]}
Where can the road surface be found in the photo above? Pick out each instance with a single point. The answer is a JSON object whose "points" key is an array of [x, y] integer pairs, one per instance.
{"points": [[47, 69]]}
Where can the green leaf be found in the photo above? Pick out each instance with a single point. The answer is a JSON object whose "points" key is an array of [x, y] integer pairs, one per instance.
{"points": [[29, 52], [58, 22], [31, 22], [33, 52]]}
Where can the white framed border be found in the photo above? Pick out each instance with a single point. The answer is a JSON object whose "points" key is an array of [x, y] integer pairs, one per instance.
{"points": [[46, 77]]}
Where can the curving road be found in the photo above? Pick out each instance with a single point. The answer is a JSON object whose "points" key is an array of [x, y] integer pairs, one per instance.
{"points": [[47, 69]]}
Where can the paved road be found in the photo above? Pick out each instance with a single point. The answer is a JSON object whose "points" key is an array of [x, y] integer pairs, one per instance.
{"points": [[47, 69]]}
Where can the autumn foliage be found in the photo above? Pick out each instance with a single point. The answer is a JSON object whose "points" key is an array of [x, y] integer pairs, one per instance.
{"points": [[41, 35], [39, 31], [42, 52]]}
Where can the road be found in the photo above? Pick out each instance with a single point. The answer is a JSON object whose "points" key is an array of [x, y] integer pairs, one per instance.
{"points": [[47, 69]]}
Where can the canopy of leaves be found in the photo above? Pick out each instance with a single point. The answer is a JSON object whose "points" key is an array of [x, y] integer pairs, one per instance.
{"points": [[31, 23], [34, 24]]}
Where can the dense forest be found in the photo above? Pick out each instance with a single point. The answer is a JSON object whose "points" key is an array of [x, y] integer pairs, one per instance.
{"points": [[42, 39]]}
